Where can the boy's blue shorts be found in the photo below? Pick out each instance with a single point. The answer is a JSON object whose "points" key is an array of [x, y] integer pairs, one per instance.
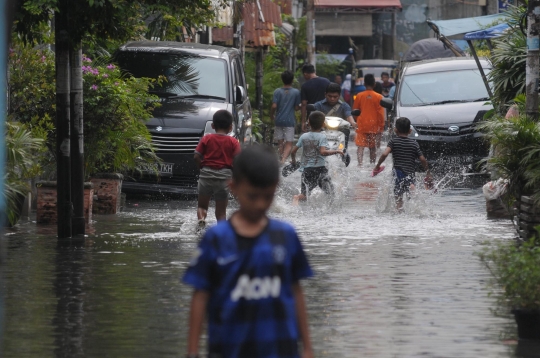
{"points": [[402, 182]]}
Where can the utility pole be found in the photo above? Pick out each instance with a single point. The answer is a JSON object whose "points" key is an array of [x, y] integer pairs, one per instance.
{"points": [[63, 160], [310, 31], [533, 58], [77, 141]]}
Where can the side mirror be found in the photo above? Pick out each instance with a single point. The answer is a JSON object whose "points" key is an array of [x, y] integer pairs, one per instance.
{"points": [[387, 103], [241, 95], [355, 112], [310, 107]]}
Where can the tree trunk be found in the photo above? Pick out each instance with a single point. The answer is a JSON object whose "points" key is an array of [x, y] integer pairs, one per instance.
{"points": [[310, 31], [63, 202], [259, 59], [77, 142], [533, 59]]}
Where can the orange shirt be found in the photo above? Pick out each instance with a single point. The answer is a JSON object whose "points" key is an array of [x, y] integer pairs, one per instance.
{"points": [[371, 119]]}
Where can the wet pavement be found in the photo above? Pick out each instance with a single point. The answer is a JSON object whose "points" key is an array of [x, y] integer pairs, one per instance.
{"points": [[386, 285]]}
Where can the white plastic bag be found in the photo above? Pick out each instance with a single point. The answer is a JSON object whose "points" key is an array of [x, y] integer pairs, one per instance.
{"points": [[495, 189]]}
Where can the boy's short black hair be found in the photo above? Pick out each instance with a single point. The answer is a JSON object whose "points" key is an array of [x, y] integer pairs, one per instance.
{"points": [[369, 80], [316, 120], [333, 88], [258, 164], [287, 77], [385, 74], [403, 125], [308, 68], [222, 119]]}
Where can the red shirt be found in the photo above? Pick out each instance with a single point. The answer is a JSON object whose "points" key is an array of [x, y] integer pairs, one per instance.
{"points": [[218, 150]]}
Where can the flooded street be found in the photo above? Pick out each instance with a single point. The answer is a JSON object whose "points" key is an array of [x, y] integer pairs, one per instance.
{"points": [[386, 285]]}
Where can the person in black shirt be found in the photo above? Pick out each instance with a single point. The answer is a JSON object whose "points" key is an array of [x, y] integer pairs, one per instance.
{"points": [[404, 151], [312, 91]]}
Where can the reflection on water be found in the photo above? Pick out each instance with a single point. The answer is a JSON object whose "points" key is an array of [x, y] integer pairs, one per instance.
{"points": [[387, 285]]}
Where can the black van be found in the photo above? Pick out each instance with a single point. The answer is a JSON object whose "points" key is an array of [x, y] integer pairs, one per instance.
{"points": [[200, 80]]}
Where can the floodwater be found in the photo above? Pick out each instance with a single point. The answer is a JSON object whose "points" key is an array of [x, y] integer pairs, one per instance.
{"points": [[386, 285]]}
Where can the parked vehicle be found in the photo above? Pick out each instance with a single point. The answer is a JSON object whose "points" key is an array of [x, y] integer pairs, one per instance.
{"points": [[444, 100], [376, 67], [197, 81]]}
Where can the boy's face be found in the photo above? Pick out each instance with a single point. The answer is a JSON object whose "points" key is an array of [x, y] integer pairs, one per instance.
{"points": [[254, 201], [332, 98], [385, 78]]}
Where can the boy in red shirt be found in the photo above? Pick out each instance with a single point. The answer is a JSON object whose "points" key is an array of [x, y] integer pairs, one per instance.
{"points": [[214, 156]]}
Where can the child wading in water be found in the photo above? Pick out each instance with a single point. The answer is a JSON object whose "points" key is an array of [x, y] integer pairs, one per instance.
{"points": [[246, 273], [370, 122], [313, 167], [214, 156], [404, 151]]}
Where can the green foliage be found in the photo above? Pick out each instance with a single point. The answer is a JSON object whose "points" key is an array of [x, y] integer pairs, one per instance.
{"points": [[100, 22], [115, 109], [508, 58], [22, 150], [515, 269], [31, 84], [328, 66], [516, 152]]}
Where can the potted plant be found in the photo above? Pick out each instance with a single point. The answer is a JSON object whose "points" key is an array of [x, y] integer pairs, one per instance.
{"points": [[516, 157], [116, 140], [515, 269]]}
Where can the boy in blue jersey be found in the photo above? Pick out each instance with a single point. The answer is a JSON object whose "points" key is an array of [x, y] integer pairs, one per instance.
{"points": [[313, 164], [246, 273]]}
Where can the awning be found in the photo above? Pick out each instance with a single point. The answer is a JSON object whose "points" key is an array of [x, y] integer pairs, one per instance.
{"points": [[469, 24], [491, 33], [358, 3]]}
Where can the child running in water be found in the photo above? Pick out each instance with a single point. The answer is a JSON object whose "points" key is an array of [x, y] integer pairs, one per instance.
{"points": [[404, 151], [313, 165], [214, 156], [247, 271]]}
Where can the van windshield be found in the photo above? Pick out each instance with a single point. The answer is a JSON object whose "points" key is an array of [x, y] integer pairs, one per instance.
{"points": [[434, 88], [184, 75]]}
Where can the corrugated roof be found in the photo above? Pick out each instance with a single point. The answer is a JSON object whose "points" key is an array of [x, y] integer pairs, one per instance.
{"points": [[358, 3], [256, 31]]}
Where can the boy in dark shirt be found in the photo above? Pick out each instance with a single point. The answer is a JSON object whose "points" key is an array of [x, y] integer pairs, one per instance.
{"points": [[214, 156], [312, 91], [246, 273], [404, 151]]}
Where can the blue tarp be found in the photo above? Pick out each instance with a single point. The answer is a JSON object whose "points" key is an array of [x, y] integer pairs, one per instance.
{"points": [[469, 24], [490, 33]]}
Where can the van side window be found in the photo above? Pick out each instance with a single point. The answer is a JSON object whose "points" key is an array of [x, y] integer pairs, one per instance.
{"points": [[239, 73], [236, 80]]}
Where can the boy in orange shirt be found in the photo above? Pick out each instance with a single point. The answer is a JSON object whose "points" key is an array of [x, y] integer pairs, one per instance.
{"points": [[370, 122]]}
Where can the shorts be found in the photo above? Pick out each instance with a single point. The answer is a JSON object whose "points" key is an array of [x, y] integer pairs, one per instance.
{"points": [[316, 176], [370, 140], [214, 182], [402, 182], [219, 188], [284, 133]]}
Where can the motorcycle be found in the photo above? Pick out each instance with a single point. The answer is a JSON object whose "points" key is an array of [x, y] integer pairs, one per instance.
{"points": [[337, 131]]}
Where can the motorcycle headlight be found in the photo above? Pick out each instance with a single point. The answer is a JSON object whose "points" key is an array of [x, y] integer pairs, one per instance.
{"points": [[209, 130], [333, 122]]}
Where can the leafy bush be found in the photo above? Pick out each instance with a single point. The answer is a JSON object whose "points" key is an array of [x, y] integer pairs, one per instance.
{"points": [[515, 269], [516, 152], [115, 109], [508, 59], [21, 165]]}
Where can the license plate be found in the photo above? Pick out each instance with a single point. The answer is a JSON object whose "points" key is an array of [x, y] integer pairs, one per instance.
{"points": [[165, 169]]}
